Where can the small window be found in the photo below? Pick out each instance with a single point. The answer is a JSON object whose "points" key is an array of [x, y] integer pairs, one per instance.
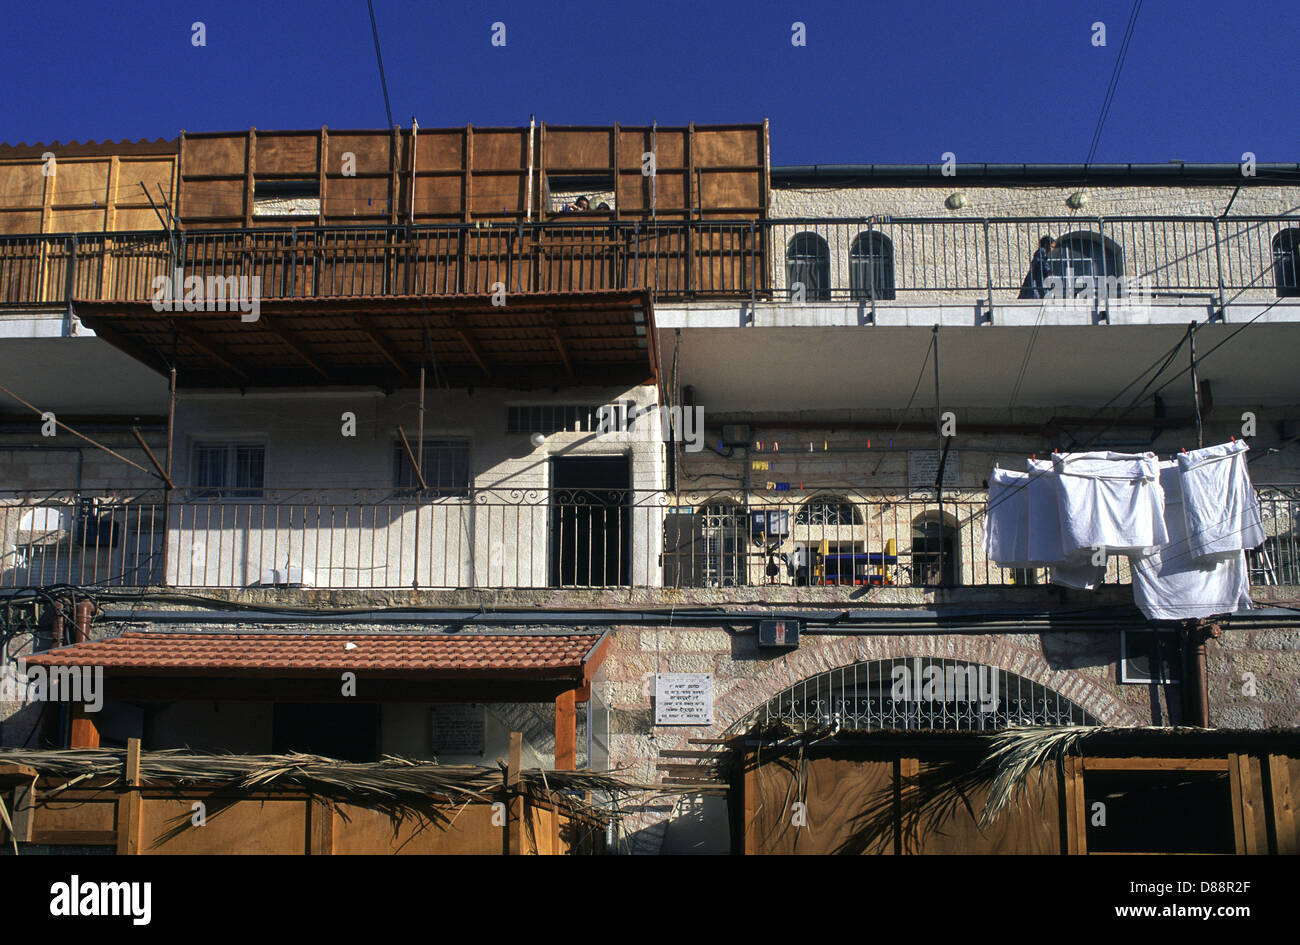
{"points": [[808, 263], [871, 267], [286, 198], [1286, 249], [1150, 657], [580, 193], [445, 467], [227, 470]]}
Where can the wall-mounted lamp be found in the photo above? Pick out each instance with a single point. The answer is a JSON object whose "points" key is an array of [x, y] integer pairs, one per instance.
{"points": [[1077, 200], [537, 439], [955, 201]]}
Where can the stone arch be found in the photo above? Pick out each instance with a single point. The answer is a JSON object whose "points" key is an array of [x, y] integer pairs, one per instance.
{"points": [[817, 655]]}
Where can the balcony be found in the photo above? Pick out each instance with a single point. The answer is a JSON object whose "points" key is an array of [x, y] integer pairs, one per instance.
{"points": [[868, 261], [532, 538]]}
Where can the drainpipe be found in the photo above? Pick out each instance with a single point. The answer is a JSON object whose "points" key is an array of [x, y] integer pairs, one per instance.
{"points": [[1199, 684]]}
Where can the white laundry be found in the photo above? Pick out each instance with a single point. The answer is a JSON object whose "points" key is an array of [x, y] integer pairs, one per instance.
{"points": [[1006, 519], [1219, 503], [1042, 521], [1109, 500], [1171, 583]]}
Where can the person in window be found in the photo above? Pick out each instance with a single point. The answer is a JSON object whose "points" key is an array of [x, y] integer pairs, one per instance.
{"points": [[581, 205], [1039, 270]]}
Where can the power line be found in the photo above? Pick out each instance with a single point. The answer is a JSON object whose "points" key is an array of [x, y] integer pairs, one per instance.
{"points": [[383, 81], [1114, 81]]}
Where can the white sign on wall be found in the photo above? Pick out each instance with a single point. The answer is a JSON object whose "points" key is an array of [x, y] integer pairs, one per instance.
{"points": [[459, 729], [683, 698], [923, 469]]}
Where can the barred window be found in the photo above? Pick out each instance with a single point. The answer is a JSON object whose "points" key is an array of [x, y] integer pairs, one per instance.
{"points": [[808, 263], [227, 470], [1286, 249], [445, 466], [871, 267]]}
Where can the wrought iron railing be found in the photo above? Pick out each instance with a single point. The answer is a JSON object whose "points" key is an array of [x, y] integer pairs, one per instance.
{"points": [[868, 260], [530, 538]]}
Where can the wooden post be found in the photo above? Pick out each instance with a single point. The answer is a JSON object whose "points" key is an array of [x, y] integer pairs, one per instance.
{"points": [[566, 731], [1284, 819], [321, 812], [515, 816], [83, 732], [23, 798], [129, 803]]}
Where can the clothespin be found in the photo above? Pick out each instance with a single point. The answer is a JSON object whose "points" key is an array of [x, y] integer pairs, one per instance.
{"points": [[1184, 449], [1034, 456], [810, 449], [868, 444], [776, 447], [1234, 439]]}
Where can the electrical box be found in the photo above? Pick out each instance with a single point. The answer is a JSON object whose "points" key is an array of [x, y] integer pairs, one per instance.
{"points": [[735, 434], [770, 523], [778, 633]]}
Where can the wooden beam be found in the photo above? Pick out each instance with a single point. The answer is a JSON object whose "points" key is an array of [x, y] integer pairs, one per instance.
{"points": [[321, 813], [152, 458], [129, 803], [211, 349], [379, 341], [566, 732], [83, 732], [549, 318], [415, 463], [1284, 814], [282, 333], [250, 176], [1155, 764], [515, 817], [462, 332]]}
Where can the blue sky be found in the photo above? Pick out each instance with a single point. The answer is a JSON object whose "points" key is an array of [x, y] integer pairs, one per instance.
{"points": [[876, 82]]}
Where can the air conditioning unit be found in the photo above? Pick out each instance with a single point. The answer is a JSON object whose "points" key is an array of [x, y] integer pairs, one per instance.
{"points": [[783, 634]]}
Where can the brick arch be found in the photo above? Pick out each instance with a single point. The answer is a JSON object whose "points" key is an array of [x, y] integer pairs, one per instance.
{"points": [[818, 655]]}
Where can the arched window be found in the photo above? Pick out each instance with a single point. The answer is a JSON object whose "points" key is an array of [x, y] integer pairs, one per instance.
{"points": [[1084, 255], [827, 510], [808, 262], [871, 267], [827, 528], [934, 549], [1286, 255], [920, 692]]}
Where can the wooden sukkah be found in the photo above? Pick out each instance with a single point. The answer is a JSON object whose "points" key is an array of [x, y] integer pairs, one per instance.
{"points": [[144, 802]]}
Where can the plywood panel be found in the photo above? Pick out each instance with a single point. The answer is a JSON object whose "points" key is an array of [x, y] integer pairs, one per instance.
{"points": [[246, 826], [372, 151], [467, 830], [575, 149], [222, 154], [727, 147], [295, 155], [212, 198], [849, 806], [70, 810], [27, 221], [76, 221], [1030, 825], [81, 181], [441, 150], [22, 184]]}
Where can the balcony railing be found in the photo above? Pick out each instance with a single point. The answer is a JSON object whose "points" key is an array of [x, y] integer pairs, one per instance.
{"points": [[530, 538], [861, 260]]}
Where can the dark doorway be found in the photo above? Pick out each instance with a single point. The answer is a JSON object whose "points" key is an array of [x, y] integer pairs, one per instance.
{"points": [[590, 518], [343, 730]]}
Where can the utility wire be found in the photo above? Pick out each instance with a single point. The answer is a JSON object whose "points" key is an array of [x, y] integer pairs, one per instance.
{"points": [[1114, 81], [383, 81]]}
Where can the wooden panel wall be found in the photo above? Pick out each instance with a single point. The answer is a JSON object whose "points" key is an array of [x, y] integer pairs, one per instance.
{"points": [[85, 194], [457, 175]]}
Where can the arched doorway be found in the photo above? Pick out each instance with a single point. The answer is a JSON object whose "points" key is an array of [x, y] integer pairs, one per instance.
{"points": [[934, 549]]}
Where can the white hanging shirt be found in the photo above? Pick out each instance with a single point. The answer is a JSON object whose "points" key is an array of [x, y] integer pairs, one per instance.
{"points": [[1006, 520], [1172, 583], [1042, 522], [1109, 500], [1219, 503]]}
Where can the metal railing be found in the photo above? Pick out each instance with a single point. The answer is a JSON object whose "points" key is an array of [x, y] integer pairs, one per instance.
{"points": [[865, 260], [530, 538]]}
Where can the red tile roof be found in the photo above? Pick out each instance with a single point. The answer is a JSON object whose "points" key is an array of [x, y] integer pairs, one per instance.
{"points": [[223, 654]]}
